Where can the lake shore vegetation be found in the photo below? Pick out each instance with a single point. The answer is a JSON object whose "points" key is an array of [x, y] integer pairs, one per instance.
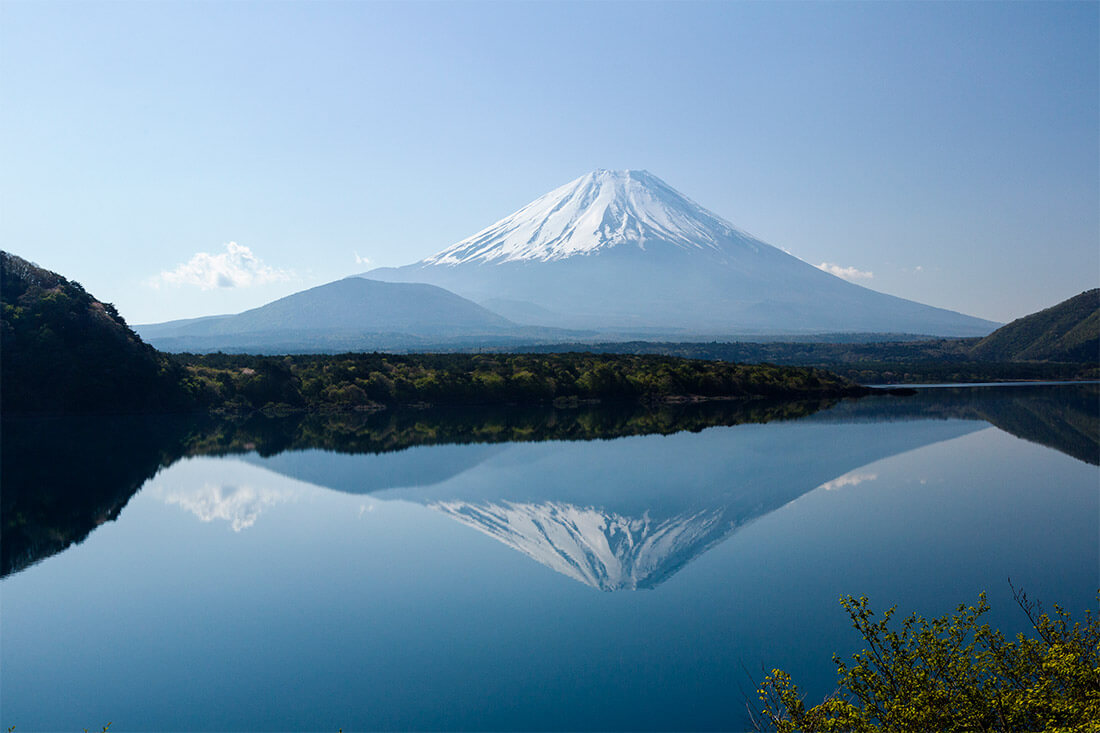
{"points": [[235, 383], [952, 673]]}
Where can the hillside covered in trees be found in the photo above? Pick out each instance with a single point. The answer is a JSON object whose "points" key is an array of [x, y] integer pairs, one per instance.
{"points": [[1058, 343], [371, 381], [1067, 332], [65, 351]]}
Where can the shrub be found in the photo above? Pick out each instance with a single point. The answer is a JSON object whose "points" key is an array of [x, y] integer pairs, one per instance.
{"points": [[953, 674]]}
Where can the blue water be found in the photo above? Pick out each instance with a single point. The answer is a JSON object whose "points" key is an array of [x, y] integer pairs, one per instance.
{"points": [[638, 583]]}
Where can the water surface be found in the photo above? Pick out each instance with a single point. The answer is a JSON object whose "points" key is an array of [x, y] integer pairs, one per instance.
{"points": [[319, 574]]}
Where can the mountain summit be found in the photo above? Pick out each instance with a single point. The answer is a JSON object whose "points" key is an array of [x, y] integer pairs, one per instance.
{"points": [[598, 211], [623, 251]]}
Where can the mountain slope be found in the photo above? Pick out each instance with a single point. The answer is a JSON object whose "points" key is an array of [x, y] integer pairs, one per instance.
{"points": [[641, 522], [624, 250], [599, 211], [1069, 331], [332, 314], [65, 351]]}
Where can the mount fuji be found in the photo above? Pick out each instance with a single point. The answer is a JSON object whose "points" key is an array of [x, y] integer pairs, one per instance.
{"points": [[624, 251], [614, 514]]}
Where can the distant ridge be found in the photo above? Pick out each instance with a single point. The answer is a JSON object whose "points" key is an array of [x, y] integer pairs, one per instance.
{"points": [[1069, 332], [624, 251], [340, 313]]}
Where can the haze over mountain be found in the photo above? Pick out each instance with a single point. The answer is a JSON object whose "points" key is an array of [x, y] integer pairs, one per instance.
{"points": [[350, 313], [623, 250]]}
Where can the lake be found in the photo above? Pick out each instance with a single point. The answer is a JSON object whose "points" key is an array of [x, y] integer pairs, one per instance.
{"points": [[525, 569]]}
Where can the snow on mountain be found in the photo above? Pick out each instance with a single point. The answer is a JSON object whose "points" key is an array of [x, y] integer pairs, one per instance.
{"points": [[623, 251], [597, 211], [625, 513], [602, 549]]}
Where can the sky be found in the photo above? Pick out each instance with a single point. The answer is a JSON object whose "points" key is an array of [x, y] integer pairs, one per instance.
{"points": [[188, 159]]}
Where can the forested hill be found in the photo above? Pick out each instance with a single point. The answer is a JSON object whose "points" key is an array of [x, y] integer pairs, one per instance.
{"points": [[1067, 332], [65, 351], [1059, 343]]}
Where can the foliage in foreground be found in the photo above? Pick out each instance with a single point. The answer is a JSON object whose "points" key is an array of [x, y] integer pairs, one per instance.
{"points": [[953, 674]]}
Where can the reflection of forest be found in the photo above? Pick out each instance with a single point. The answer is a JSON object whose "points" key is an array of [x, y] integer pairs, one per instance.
{"points": [[1064, 417], [62, 477], [381, 432]]}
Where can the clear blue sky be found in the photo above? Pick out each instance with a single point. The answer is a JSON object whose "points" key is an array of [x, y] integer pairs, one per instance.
{"points": [[951, 149]]}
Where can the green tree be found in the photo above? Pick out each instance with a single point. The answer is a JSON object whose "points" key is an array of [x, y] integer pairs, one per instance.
{"points": [[953, 674]]}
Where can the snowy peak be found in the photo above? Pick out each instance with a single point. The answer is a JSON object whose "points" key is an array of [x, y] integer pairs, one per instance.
{"points": [[597, 211], [603, 549], [624, 253]]}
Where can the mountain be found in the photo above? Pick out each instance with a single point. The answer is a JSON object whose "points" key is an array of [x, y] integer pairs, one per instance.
{"points": [[1069, 332], [624, 251], [64, 351], [610, 513], [347, 314]]}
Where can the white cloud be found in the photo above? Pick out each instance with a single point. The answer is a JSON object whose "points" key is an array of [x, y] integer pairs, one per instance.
{"points": [[237, 267], [238, 505], [848, 273], [848, 479], [361, 260]]}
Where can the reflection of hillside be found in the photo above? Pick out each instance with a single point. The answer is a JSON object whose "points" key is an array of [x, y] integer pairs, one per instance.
{"points": [[63, 477], [1063, 417], [627, 513], [631, 513], [1071, 426], [396, 430]]}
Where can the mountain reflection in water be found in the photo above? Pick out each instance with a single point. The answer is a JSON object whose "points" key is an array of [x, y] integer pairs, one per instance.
{"points": [[627, 513], [546, 482]]}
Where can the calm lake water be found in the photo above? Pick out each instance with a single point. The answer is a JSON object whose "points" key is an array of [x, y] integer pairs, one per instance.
{"points": [[533, 570]]}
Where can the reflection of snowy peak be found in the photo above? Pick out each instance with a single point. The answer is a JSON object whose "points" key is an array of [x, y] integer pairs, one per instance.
{"points": [[625, 513], [601, 549]]}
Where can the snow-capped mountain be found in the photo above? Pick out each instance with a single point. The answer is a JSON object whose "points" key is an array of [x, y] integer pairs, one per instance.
{"points": [[623, 250], [598, 211], [599, 548], [627, 513]]}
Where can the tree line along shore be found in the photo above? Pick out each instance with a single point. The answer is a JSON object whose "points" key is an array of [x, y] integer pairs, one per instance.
{"points": [[65, 352]]}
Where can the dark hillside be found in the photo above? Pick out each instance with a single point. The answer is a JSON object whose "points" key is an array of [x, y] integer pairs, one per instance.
{"points": [[1067, 332], [61, 350]]}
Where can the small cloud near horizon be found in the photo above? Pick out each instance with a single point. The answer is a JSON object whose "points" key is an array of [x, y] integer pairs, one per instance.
{"points": [[241, 505], [847, 273], [361, 260], [236, 267], [848, 479]]}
